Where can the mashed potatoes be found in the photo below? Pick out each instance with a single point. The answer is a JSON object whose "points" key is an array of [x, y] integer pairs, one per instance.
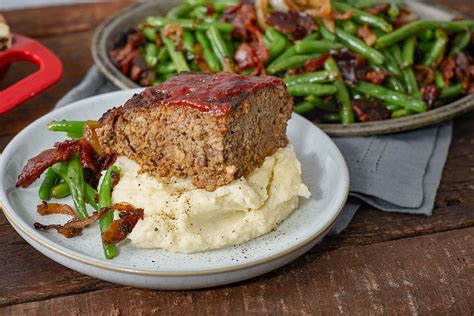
{"points": [[181, 218]]}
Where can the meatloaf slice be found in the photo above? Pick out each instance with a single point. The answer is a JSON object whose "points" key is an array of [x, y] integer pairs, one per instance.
{"points": [[212, 127]]}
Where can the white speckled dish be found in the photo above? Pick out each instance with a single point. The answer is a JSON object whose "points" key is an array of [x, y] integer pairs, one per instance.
{"points": [[324, 172]]}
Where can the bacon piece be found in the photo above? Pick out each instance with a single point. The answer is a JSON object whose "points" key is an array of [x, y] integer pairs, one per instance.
{"points": [[244, 57], [86, 155], [370, 110], [128, 59], [200, 61], [424, 75], [296, 24], [430, 94], [316, 63], [406, 16], [447, 69], [365, 33], [462, 70], [242, 16], [352, 65], [253, 52], [378, 8], [117, 231], [37, 165], [342, 16], [54, 208], [376, 77]]}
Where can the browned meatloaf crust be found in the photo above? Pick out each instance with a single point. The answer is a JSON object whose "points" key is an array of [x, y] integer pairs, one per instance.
{"points": [[212, 127]]}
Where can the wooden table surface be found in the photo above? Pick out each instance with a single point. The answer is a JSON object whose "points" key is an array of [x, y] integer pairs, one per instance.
{"points": [[383, 263]]}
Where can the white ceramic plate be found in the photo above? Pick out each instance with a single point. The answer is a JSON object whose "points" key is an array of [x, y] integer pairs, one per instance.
{"points": [[324, 172]]}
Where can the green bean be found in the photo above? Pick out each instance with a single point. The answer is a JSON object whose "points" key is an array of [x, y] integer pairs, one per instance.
{"points": [[408, 51], [439, 80], [426, 35], [72, 174], [359, 46], [199, 12], [48, 183], [342, 95], [290, 63], [401, 113], [189, 24], [392, 107], [91, 195], [396, 53], [461, 41], [364, 17], [435, 55], [275, 42], [393, 10], [410, 82], [208, 52], [162, 55], [60, 191], [221, 50], [76, 185], [322, 105], [220, 6], [105, 200], [390, 96], [176, 56], [179, 11], [332, 117], [149, 33], [392, 64], [451, 91], [75, 127], [313, 36], [415, 27], [426, 47], [327, 34], [395, 84], [349, 26], [167, 67], [196, 2], [311, 47], [73, 135], [457, 26], [290, 52], [304, 107], [150, 55], [312, 77], [188, 41], [304, 89]]}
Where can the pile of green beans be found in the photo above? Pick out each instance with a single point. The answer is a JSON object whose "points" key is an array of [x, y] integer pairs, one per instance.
{"points": [[67, 178], [396, 51]]}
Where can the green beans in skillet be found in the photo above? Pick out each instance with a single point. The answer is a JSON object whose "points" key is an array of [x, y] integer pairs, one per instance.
{"points": [[390, 52]]}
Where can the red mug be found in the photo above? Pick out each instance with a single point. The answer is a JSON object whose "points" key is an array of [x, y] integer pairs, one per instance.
{"points": [[49, 72]]}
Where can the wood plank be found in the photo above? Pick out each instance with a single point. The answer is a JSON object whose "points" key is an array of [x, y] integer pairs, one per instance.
{"points": [[402, 277], [58, 20]]}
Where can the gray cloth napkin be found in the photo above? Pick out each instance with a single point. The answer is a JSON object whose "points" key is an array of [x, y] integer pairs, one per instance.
{"points": [[394, 173]]}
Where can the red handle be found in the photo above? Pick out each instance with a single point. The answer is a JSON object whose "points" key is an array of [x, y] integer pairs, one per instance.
{"points": [[50, 71]]}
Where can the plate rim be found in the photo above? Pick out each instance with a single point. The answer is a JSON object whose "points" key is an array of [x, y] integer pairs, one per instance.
{"points": [[18, 223], [395, 125]]}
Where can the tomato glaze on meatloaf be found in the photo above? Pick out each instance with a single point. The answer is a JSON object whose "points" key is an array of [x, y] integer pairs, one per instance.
{"points": [[213, 128]]}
